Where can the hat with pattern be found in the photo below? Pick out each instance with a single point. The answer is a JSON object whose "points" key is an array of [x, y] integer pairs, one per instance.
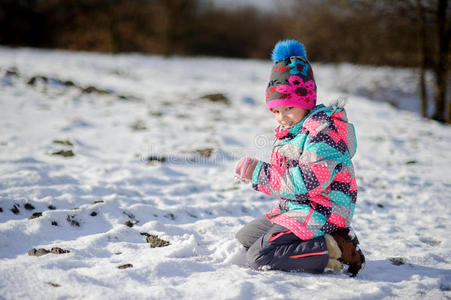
{"points": [[292, 82]]}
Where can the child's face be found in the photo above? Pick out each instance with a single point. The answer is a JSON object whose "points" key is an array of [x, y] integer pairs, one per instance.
{"points": [[288, 116]]}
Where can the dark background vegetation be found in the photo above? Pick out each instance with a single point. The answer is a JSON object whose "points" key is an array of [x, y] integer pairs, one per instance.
{"points": [[408, 33]]}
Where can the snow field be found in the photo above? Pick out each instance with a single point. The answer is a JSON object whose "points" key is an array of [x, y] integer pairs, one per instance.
{"points": [[152, 107]]}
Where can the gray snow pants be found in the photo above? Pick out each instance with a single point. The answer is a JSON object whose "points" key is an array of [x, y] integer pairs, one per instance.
{"points": [[275, 246]]}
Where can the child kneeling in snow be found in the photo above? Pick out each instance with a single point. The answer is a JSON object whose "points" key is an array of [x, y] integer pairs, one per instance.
{"points": [[310, 169]]}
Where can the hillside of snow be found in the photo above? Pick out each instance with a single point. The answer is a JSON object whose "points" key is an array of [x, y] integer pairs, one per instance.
{"points": [[106, 156]]}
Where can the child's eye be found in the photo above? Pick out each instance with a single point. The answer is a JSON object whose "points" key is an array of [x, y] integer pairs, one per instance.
{"points": [[289, 108]]}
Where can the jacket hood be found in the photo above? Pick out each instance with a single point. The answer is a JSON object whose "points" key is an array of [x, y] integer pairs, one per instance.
{"points": [[344, 127], [333, 121]]}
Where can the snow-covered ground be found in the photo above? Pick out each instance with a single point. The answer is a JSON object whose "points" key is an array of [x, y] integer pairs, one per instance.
{"points": [[119, 111]]}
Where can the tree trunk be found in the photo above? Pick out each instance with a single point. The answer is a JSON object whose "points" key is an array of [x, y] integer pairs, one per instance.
{"points": [[422, 57], [441, 66], [449, 113]]}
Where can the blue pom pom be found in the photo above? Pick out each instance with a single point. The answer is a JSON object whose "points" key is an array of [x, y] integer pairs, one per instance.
{"points": [[287, 48]]}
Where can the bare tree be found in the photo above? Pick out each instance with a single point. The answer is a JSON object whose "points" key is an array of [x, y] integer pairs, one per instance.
{"points": [[433, 20], [442, 62], [422, 56]]}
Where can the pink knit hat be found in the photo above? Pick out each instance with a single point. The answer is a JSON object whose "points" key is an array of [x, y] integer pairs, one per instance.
{"points": [[292, 82]]}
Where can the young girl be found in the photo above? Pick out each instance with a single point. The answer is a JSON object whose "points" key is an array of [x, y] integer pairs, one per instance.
{"points": [[310, 170]]}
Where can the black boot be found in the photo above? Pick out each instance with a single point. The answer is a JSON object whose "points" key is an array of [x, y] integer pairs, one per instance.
{"points": [[351, 255]]}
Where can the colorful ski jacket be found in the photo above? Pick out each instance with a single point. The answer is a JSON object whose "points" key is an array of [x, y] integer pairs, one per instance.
{"points": [[311, 170]]}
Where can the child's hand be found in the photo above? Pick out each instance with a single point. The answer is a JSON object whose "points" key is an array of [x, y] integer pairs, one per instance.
{"points": [[244, 168]]}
